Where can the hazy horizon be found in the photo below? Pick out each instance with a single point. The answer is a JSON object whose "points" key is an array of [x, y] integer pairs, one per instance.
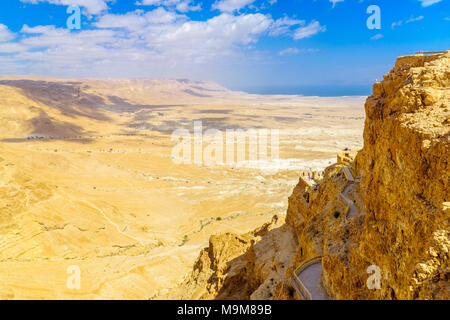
{"points": [[254, 45], [324, 90]]}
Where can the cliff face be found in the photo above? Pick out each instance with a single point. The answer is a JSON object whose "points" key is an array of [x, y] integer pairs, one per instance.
{"points": [[385, 208], [248, 266], [401, 193], [405, 169]]}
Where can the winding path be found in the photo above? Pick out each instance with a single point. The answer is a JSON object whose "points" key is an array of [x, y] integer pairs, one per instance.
{"points": [[311, 279], [306, 280], [354, 211], [116, 226]]}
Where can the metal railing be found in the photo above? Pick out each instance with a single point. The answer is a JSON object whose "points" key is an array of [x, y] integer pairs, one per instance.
{"points": [[348, 174]]}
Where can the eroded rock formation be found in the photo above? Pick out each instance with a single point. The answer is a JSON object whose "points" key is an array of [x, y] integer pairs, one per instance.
{"points": [[248, 266], [392, 216]]}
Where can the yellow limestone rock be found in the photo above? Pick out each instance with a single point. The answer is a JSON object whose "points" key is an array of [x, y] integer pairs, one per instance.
{"points": [[402, 196], [249, 266], [398, 222]]}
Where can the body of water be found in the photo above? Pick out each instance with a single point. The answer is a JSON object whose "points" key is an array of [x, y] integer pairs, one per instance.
{"points": [[321, 91]]}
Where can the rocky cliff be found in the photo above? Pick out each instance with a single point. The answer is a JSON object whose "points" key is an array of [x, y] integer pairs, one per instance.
{"points": [[385, 209], [248, 266], [405, 171]]}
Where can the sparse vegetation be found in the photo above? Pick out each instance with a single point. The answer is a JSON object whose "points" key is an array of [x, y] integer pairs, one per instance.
{"points": [[185, 240], [143, 202]]}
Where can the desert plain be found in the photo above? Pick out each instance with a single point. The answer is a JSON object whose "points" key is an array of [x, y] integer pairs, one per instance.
{"points": [[88, 178]]}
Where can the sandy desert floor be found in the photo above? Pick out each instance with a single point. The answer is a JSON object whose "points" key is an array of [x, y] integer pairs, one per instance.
{"points": [[98, 189]]}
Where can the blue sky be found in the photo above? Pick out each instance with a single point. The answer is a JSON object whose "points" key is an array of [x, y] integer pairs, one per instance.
{"points": [[241, 44]]}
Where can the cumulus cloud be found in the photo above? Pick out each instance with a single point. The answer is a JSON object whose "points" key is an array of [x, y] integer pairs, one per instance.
{"points": [[143, 44], [92, 6], [138, 20], [180, 5], [170, 32], [311, 29], [211, 37], [160, 42], [231, 5], [5, 34]]}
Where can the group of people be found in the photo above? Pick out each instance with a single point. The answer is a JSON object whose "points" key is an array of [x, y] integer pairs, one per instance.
{"points": [[311, 175]]}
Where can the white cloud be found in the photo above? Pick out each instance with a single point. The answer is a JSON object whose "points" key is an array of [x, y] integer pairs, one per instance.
{"points": [[138, 20], [284, 25], [5, 34], [92, 6], [377, 37], [403, 22], [180, 5], [136, 44], [426, 3], [289, 52], [311, 29], [10, 47], [414, 19], [50, 37], [159, 43], [294, 51], [203, 39], [231, 5], [335, 1], [185, 6]]}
